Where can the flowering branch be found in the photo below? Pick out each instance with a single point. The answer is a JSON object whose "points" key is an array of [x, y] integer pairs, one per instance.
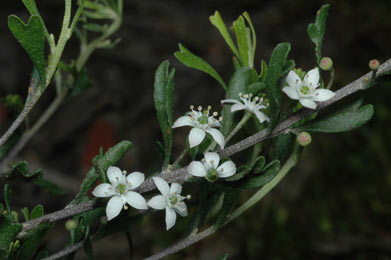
{"points": [[181, 175]]}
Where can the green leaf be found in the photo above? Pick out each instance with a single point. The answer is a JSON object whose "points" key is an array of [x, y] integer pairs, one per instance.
{"points": [[43, 253], [91, 216], [241, 31], [26, 214], [259, 164], [87, 246], [231, 196], [224, 257], [31, 37], [218, 22], [282, 146], [8, 230], [263, 72], [343, 120], [191, 60], [7, 194], [240, 173], [254, 39], [102, 162], [268, 173], [81, 84], [37, 212], [256, 87], [163, 97], [239, 82], [317, 30], [32, 241], [273, 84], [288, 66]]}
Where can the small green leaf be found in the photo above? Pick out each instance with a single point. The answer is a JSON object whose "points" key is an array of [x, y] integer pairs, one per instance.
{"points": [[32, 241], [282, 146], [231, 195], [93, 27], [8, 230], [87, 246], [37, 212], [26, 214], [7, 194], [111, 157], [268, 173], [163, 97], [256, 88], [343, 120], [273, 78], [91, 216], [31, 37], [263, 72], [259, 164], [81, 84], [218, 22], [240, 30], [317, 30], [253, 37], [288, 66], [240, 82], [191, 60]]}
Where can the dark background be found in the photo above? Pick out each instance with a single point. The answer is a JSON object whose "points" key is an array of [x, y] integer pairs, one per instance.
{"points": [[334, 205]]}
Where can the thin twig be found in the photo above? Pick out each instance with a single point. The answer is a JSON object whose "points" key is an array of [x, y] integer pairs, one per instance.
{"points": [[65, 251]]}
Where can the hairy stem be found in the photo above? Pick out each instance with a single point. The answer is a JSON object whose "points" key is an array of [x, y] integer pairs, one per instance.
{"points": [[331, 80]]}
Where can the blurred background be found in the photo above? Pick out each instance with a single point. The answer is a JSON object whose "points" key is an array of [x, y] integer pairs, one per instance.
{"points": [[335, 204]]}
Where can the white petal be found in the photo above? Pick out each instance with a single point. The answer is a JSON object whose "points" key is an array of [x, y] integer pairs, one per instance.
{"points": [[183, 121], [196, 169], [226, 170], [213, 122], [196, 136], [238, 107], [103, 190], [135, 178], [311, 79], [162, 186], [261, 116], [114, 207], [212, 159], [230, 101], [323, 94], [293, 79], [176, 188], [114, 174], [291, 92], [308, 103], [136, 200], [181, 208], [217, 136], [157, 202], [170, 218]]}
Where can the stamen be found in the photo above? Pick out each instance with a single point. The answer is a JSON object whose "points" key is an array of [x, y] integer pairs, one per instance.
{"points": [[220, 118], [256, 98], [191, 107], [188, 197], [209, 107], [240, 94], [125, 207], [199, 108], [215, 113]]}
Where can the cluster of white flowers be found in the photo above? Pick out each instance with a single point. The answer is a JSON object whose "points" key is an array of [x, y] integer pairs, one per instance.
{"points": [[121, 187]]}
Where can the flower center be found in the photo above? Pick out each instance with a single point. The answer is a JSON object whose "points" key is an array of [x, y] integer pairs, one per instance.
{"points": [[211, 175], [173, 200], [203, 120], [305, 90], [121, 188]]}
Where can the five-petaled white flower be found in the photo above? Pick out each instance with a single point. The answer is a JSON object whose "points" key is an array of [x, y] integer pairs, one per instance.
{"points": [[210, 169], [170, 200], [120, 190], [250, 104], [201, 123], [305, 90]]}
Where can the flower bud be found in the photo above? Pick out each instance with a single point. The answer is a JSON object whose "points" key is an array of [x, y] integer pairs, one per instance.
{"points": [[71, 225], [326, 63], [374, 64], [304, 139]]}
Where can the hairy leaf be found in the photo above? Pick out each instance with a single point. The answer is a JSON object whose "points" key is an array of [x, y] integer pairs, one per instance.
{"points": [[343, 120], [240, 30], [273, 78], [37, 212], [282, 146], [163, 97], [195, 62], [268, 173], [8, 230], [317, 30], [31, 37], [231, 196], [32, 241]]}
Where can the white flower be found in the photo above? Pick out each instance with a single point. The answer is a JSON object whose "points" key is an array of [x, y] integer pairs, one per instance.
{"points": [[210, 169], [201, 123], [170, 200], [250, 104], [305, 91], [120, 190]]}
